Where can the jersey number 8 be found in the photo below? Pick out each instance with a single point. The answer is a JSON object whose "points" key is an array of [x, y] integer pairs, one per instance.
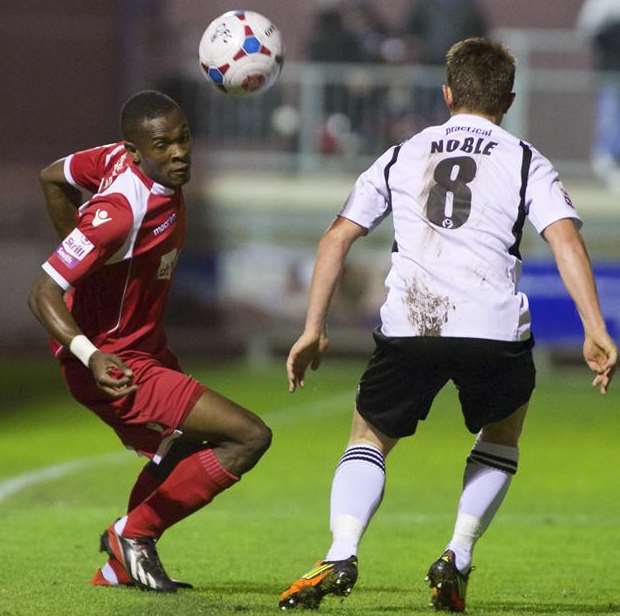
{"points": [[449, 200]]}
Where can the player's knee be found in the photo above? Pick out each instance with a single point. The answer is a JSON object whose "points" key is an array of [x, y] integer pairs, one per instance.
{"points": [[259, 439], [507, 434], [507, 431]]}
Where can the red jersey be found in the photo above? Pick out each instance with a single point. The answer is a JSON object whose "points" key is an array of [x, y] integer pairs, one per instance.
{"points": [[120, 258]]}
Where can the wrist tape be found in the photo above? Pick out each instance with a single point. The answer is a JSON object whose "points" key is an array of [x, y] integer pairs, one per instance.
{"points": [[82, 348]]}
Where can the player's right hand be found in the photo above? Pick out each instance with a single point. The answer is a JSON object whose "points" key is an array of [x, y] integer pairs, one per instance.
{"points": [[307, 351], [112, 376], [601, 355]]}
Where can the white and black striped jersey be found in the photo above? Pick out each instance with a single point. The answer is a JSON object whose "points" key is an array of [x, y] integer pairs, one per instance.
{"points": [[459, 194]]}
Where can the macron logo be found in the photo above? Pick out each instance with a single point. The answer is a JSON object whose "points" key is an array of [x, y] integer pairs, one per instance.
{"points": [[101, 217], [164, 225]]}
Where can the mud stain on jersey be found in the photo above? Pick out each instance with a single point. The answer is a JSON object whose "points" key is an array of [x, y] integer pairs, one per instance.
{"points": [[426, 311]]}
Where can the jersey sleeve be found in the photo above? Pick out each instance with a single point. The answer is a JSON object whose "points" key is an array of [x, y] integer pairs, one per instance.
{"points": [[369, 202], [103, 229], [85, 169], [546, 199]]}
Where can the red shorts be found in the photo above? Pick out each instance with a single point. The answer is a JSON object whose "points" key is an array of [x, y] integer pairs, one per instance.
{"points": [[163, 399]]}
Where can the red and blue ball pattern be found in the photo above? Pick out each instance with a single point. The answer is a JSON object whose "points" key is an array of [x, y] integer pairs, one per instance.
{"points": [[250, 45]]}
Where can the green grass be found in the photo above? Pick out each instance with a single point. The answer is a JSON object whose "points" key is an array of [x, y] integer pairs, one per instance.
{"points": [[552, 549]]}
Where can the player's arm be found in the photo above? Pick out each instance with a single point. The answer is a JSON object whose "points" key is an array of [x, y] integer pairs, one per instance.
{"points": [[86, 249], [573, 262], [62, 183], [47, 304], [331, 255], [367, 205], [62, 199]]}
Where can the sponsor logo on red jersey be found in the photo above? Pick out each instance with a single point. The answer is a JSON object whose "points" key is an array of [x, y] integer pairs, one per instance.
{"points": [[166, 224], [166, 265], [101, 217], [74, 248]]}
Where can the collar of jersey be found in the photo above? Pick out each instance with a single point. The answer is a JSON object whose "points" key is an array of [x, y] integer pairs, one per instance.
{"points": [[469, 117], [154, 187]]}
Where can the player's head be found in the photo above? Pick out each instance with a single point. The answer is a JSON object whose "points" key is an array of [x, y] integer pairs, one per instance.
{"points": [[480, 77], [157, 135]]}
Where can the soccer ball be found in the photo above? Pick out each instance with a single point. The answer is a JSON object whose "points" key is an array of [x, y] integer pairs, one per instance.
{"points": [[241, 52]]}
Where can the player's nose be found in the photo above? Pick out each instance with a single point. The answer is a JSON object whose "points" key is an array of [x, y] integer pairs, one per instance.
{"points": [[181, 153]]}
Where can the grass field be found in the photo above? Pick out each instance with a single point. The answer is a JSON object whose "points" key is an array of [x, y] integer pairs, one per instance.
{"points": [[552, 550]]}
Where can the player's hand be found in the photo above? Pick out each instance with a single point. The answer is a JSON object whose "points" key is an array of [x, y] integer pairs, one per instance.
{"points": [[111, 375], [601, 355], [307, 351]]}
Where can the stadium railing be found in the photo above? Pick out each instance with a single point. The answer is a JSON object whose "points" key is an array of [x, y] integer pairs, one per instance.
{"points": [[338, 116]]}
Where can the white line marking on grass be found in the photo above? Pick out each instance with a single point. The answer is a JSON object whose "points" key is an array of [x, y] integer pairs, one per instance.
{"points": [[15, 484], [289, 414], [315, 409]]}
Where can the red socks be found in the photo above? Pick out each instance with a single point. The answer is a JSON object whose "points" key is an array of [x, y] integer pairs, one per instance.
{"points": [[193, 483], [145, 485]]}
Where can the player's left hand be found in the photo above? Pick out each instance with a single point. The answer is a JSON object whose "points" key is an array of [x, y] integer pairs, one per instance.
{"points": [[601, 355], [112, 375], [307, 351]]}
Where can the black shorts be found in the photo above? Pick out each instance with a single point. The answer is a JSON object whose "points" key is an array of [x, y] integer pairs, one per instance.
{"points": [[494, 378]]}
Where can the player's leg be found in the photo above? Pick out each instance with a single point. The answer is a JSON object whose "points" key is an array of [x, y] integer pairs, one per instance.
{"points": [[488, 473], [498, 378], [113, 572], [237, 439], [395, 391], [357, 491], [357, 487], [486, 479]]}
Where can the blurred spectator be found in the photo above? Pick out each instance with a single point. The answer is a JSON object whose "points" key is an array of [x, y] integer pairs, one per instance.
{"points": [[599, 21], [372, 116], [433, 26], [369, 28], [437, 24], [331, 40]]}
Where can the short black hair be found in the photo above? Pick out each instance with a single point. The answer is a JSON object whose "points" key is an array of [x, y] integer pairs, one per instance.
{"points": [[144, 105]]}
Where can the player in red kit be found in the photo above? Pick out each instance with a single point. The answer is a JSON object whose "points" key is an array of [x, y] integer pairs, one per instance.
{"points": [[102, 297]]}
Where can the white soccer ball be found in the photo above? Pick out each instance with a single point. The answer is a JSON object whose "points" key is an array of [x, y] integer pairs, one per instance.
{"points": [[241, 52]]}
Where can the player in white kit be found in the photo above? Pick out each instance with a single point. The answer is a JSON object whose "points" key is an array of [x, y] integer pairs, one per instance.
{"points": [[459, 195]]}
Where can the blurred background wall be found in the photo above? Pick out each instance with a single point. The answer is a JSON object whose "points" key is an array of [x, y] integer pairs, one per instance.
{"points": [[272, 171]]}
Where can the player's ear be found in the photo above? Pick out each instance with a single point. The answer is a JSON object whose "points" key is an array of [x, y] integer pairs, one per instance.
{"points": [[447, 96], [133, 151]]}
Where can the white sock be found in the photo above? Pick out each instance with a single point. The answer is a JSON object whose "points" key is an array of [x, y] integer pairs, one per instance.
{"points": [[486, 480], [109, 575], [119, 525], [357, 490]]}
